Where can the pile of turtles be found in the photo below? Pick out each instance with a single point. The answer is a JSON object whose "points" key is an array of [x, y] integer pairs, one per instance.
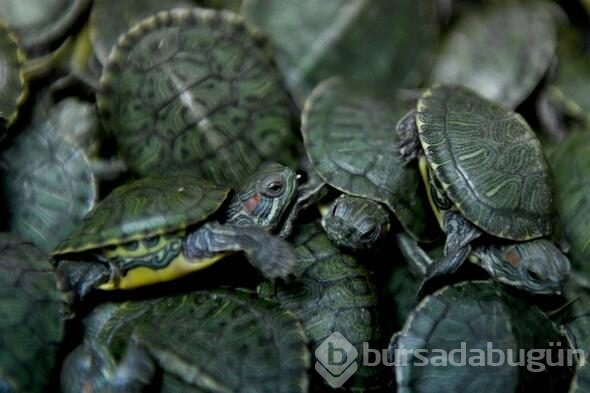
{"points": [[198, 195]]}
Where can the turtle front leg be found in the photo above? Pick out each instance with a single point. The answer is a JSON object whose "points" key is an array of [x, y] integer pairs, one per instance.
{"points": [[422, 266], [274, 257], [449, 264], [91, 368], [460, 232], [409, 143], [418, 260]]}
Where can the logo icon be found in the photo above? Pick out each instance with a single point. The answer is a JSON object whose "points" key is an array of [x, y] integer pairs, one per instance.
{"points": [[336, 360]]}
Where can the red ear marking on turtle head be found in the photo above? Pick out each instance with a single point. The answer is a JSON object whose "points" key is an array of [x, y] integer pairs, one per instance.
{"points": [[252, 202], [512, 257]]}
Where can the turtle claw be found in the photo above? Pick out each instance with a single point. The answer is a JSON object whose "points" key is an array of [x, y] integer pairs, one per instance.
{"points": [[409, 141], [441, 268], [81, 278], [275, 258]]}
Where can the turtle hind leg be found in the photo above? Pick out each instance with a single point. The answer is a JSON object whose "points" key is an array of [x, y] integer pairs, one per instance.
{"points": [[80, 278], [91, 367], [272, 256], [409, 141]]}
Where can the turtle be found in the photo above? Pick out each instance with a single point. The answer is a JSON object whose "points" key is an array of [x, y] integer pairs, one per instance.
{"points": [[220, 340], [180, 90], [490, 330], [574, 322], [41, 24], [332, 293], [108, 20], [34, 306], [484, 172], [13, 82], [48, 184], [532, 266], [379, 43], [502, 51], [570, 164], [350, 139], [159, 228], [76, 120], [563, 98]]}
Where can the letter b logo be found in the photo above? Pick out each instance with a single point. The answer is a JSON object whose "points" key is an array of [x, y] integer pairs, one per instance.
{"points": [[336, 359], [336, 356]]}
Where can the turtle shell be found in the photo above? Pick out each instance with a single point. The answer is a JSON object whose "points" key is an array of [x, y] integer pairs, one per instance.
{"points": [[570, 162], [48, 185], [13, 84], [32, 322], [109, 19], [488, 160], [263, 344], [194, 88], [471, 316], [351, 141], [332, 293], [501, 51], [379, 43], [41, 23], [574, 321], [145, 208]]}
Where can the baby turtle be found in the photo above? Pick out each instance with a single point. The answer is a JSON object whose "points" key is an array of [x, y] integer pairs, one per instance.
{"points": [[332, 293], [41, 24], [380, 44], [499, 50], [570, 161], [195, 88], [484, 172], [350, 139], [160, 228], [475, 318], [47, 181]]}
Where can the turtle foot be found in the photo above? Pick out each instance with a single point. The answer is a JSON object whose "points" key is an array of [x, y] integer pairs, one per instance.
{"points": [[409, 141], [80, 278]]}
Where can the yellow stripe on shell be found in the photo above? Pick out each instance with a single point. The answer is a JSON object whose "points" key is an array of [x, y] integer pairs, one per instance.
{"points": [[142, 276]]}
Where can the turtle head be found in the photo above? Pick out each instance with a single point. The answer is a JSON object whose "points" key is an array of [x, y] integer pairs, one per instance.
{"points": [[264, 198], [356, 223], [536, 266]]}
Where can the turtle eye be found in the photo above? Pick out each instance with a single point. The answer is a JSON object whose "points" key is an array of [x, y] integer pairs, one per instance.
{"points": [[533, 275], [371, 234], [274, 188], [301, 177]]}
